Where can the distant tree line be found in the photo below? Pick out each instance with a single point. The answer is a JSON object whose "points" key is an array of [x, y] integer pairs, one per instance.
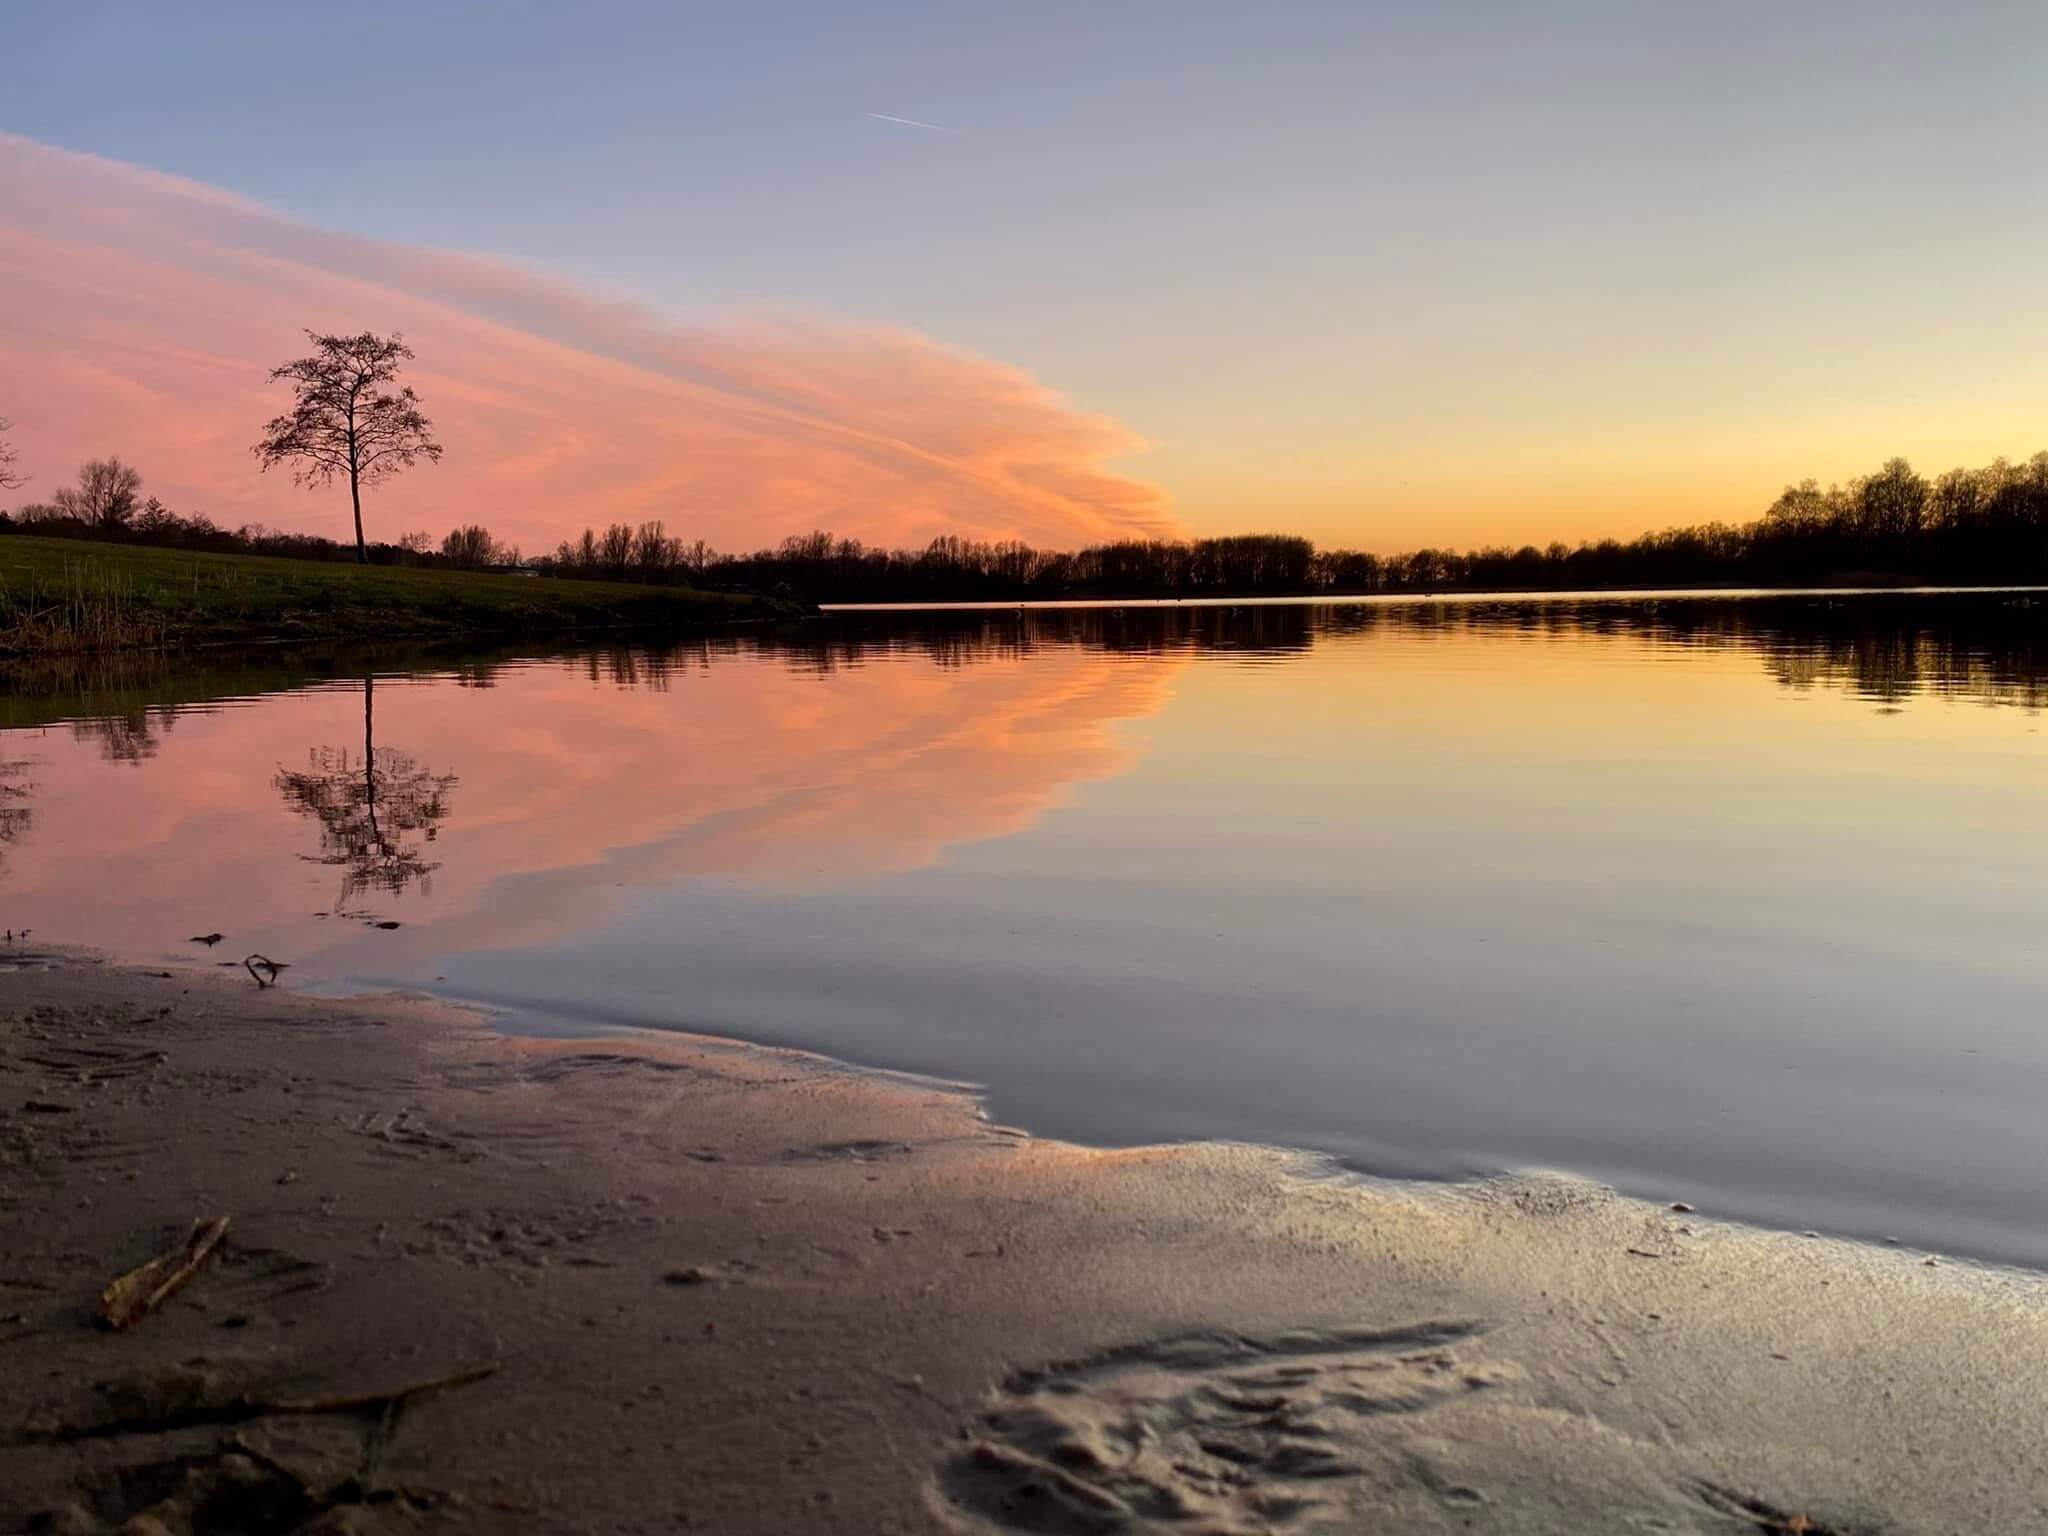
{"points": [[648, 553], [1967, 526]]}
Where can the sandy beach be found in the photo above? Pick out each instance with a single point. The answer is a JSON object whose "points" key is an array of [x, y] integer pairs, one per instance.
{"points": [[476, 1283]]}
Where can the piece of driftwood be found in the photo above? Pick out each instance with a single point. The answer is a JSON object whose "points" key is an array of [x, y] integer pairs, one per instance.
{"points": [[264, 969], [360, 1402], [142, 1290]]}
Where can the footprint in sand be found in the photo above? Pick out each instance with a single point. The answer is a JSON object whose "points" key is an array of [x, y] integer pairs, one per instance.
{"points": [[1217, 1432]]}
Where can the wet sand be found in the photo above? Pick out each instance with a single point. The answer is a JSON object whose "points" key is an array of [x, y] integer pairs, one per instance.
{"points": [[728, 1289]]}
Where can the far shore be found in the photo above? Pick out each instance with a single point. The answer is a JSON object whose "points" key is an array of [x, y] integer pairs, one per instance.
{"points": [[63, 597], [476, 1283]]}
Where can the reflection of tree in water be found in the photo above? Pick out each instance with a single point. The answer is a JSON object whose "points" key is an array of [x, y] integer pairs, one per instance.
{"points": [[376, 809], [132, 737], [14, 812]]}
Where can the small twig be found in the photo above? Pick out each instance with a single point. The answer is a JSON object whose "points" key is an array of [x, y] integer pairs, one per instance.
{"points": [[264, 969]]}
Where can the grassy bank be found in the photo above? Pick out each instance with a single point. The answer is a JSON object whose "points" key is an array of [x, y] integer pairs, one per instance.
{"points": [[61, 597]]}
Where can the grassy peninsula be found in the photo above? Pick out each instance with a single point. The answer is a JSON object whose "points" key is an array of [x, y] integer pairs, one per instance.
{"points": [[61, 596]]}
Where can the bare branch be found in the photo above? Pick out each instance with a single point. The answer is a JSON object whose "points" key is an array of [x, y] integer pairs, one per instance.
{"points": [[10, 478]]}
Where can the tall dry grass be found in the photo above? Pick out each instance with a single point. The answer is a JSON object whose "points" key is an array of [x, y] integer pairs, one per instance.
{"points": [[87, 606]]}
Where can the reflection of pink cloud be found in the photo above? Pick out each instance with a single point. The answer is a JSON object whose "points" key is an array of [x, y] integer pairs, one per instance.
{"points": [[568, 789], [143, 312]]}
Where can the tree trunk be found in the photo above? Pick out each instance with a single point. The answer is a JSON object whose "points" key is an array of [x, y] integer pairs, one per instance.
{"points": [[355, 496]]}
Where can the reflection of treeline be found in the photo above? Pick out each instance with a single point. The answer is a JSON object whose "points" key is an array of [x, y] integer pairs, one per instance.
{"points": [[1882, 647], [1967, 526], [1889, 648]]}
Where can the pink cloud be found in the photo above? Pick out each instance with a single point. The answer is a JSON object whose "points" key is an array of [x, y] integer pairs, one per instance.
{"points": [[143, 312]]}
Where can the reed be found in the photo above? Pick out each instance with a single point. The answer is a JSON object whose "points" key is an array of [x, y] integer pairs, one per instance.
{"points": [[87, 604]]}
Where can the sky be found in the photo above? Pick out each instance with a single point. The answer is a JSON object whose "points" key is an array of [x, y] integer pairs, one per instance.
{"points": [[1385, 274]]}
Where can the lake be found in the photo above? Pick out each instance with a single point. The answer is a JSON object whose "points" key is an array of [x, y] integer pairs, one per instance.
{"points": [[1732, 900]]}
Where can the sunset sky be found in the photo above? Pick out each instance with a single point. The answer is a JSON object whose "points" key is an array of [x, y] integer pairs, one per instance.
{"points": [[1385, 274]]}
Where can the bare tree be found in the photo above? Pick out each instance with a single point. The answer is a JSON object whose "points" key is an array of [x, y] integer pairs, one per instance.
{"points": [[11, 479], [655, 554], [347, 420], [615, 549], [471, 548], [107, 495]]}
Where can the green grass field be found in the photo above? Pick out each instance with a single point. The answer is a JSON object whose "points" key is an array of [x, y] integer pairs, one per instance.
{"points": [[60, 596]]}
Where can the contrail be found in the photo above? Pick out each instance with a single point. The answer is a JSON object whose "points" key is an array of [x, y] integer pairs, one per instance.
{"points": [[911, 122]]}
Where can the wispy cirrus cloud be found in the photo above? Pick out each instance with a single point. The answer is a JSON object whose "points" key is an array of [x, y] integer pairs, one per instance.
{"points": [[143, 312], [912, 122]]}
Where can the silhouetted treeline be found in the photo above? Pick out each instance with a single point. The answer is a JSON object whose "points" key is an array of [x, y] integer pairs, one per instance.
{"points": [[953, 569], [1978, 526], [648, 553], [1966, 527]]}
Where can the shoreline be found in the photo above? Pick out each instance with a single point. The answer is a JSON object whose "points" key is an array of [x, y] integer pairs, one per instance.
{"points": [[518, 1022], [731, 1287], [635, 632]]}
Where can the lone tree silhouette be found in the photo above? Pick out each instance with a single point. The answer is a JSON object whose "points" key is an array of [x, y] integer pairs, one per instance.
{"points": [[10, 477], [347, 420]]}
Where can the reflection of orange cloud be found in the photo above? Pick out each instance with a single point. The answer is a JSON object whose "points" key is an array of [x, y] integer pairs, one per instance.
{"points": [[144, 311], [567, 788]]}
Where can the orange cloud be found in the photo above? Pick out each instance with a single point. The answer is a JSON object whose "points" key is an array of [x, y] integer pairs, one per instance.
{"points": [[143, 312]]}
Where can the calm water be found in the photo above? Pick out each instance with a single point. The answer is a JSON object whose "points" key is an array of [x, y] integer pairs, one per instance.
{"points": [[1735, 902]]}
